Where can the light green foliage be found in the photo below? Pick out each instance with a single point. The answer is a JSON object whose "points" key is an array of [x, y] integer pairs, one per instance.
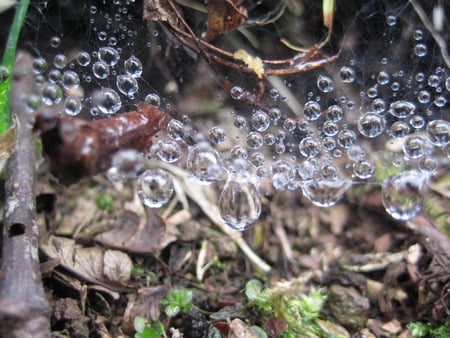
{"points": [[8, 63], [419, 329], [146, 330], [299, 311], [176, 301]]}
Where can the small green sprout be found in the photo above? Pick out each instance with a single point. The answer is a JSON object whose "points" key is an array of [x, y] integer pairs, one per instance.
{"points": [[419, 329], [300, 312], [176, 301], [145, 330], [105, 202]]}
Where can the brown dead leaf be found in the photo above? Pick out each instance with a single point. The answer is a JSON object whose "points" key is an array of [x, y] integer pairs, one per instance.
{"points": [[146, 303], [224, 16], [117, 266], [238, 329], [148, 237], [110, 268]]}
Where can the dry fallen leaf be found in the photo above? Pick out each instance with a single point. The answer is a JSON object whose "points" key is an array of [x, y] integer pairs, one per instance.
{"points": [[110, 268]]}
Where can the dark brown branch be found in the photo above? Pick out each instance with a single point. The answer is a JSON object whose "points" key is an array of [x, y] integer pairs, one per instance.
{"points": [[24, 310]]}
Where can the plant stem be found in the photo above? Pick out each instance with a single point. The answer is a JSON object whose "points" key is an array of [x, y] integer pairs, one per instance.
{"points": [[8, 62]]}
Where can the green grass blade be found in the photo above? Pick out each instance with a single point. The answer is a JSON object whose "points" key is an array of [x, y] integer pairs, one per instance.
{"points": [[8, 63]]}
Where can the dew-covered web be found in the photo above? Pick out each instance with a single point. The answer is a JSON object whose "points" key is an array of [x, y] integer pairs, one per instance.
{"points": [[377, 114]]}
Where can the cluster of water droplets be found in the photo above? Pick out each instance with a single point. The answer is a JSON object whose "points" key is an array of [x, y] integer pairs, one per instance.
{"points": [[319, 150]]}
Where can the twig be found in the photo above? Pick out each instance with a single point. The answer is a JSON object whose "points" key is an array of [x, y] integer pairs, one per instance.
{"points": [[24, 311]]}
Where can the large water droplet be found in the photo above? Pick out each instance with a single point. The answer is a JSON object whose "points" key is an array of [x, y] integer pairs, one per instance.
{"points": [[414, 146], [107, 101], [51, 94], [312, 110], [240, 202], [133, 66], [254, 140], [83, 58], [168, 151], [127, 84], [439, 132], [403, 194], [217, 134], [72, 106], [309, 147], [371, 125], [260, 120], [155, 187], [204, 163], [70, 80], [109, 55], [347, 74], [100, 70], [402, 109], [175, 129], [325, 83], [325, 193]]}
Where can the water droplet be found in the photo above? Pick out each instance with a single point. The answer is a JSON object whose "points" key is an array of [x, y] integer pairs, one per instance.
{"points": [[126, 164], [417, 122], [107, 101], [440, 101], [239, 152], [70, 80], [371, 125], [312, 110], [175, 129], [418, 35], [260, 120], [330, 128], [363, 169], [254, 140], [355, 153], [282, 174], [39, 65], [334, 113], [309, 147], [420, 49], [55, 41], [133, 66], [4, 73], [127, 85], [269, 139], [391, 20], [204, 163], [168, 151], [403, 194], [240, 122], [399, 129], [433, 81], [325, 193], [420, 77], [83, 58], [347, 74], [54, 76], [155, 187], [414, 146], [424, 96], [59, 61], [217, 134], [153, 99], [257, 159], [378, 106], [109, 55], [72, 106], [306, 170], [438, 132], [289, 125], [346, 138], [51, 94], [428, 165], [328, 143], [383, 78], [237, 93], [401, 109], [325, 83], [274, 114], [100, 70], [240, 202]]}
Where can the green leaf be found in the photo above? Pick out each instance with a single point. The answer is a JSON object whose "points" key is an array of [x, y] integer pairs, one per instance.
{"points": [[253, 289]]}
